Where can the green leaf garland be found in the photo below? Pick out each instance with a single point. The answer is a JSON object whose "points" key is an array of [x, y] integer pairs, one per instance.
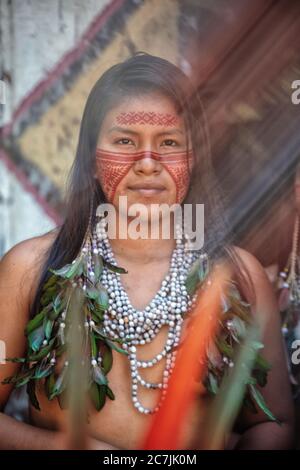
{"points": [[47, 336]]}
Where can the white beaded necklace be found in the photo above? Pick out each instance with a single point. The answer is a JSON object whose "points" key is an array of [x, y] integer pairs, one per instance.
{"points": [[168, 307]]}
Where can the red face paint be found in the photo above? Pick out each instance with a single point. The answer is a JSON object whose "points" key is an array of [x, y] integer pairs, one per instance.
{"points": [[112, 167], [152, 118]]}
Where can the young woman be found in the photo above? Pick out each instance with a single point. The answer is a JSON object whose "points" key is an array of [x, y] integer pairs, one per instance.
{"points": [[143, 136]]}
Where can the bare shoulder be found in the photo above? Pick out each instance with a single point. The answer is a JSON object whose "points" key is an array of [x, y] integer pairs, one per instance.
{"points": [[20, 266], [264, 292], [19, 275], [27, 252], [251, 263], [256, 271]]}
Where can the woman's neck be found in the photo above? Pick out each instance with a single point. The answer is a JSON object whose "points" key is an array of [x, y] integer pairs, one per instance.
{"points": [[142, 251]]}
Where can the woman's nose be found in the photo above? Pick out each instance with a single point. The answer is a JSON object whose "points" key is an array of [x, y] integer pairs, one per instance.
{"points": [[147, 164]]}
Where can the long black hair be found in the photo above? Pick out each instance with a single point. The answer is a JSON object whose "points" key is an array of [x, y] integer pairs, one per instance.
{"points": [[140, 74]]}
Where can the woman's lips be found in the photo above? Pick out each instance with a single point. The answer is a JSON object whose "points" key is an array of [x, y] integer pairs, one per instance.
{"points": [[147, 190]]}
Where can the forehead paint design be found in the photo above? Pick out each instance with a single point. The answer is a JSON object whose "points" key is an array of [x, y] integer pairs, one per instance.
{"points": [[112, 167], [152, 118]]}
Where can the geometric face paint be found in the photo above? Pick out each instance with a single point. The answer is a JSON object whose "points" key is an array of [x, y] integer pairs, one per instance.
{"points": [[112, 167], [150, 118]]}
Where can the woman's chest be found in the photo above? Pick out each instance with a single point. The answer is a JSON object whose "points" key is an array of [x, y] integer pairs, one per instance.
{"points": [[122, 425]]}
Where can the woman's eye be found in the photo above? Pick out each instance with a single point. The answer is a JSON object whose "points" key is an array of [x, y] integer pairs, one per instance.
{"points": [[123, 141], [170, 143]]}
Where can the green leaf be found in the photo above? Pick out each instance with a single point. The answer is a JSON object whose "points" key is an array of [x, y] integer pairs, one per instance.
{"points": [[49, 385], [115, 347], [202, 270], [93, 345], [98, 265], [42, 371], [9, 380], [98, 376], [36, 321], [48, 328], [98, 395], [259, 400], [102, 395], [42, 353], [57, 303], [110, 393], [53, 315], [61, 349], [107, 360], [95, 317], [225, 348], [61, 272], [76, 269], [24, 378], [60, 384], [16, 359], [212, 384], [98, 311], [192, 278], [35, 338], [92, 292], [32, 396], [99, 331], [196, 275], [48, 295], [102, 298], [262, 363], [115, 269], [69, 271], [51, 282], [238, 328]]}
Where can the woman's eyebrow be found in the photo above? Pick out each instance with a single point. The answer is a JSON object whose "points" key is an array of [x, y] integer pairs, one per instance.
{"points": [[130, 131], [173, 131]]}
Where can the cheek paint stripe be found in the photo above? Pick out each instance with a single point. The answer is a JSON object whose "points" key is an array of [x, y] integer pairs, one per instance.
{"points": [[132, 160], [111, 174], [132, 157], [181, 178], [142, 152], [112, 168], [152, 118]]}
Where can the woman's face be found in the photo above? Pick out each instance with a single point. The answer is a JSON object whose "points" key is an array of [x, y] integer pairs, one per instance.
{"points": [[142, 152]]}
